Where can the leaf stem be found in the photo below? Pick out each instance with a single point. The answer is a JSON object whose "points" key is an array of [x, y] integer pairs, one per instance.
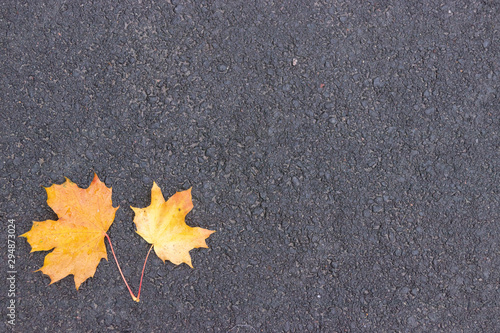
{"points": [[143, 268], [117, 264]]}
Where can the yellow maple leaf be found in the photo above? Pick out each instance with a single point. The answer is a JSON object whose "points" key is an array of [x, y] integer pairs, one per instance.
{"points": [[77, 237], [162, 224]]}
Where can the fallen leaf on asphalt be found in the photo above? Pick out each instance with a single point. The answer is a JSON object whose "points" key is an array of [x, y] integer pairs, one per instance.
{"points": [[77, 237], [163, 225]]}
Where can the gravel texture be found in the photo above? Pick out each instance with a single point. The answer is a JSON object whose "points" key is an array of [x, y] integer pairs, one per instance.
{"points": [[346, 152]]}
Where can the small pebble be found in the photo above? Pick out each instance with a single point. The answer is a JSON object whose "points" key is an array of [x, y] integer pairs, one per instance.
{"points": [[430, 111]]}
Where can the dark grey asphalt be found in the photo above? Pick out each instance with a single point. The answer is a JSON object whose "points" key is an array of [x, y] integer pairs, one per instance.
{"points": [[346, 152]]}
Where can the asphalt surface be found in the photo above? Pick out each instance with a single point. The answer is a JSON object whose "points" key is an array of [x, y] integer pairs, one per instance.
{"points": [[346, 152]]}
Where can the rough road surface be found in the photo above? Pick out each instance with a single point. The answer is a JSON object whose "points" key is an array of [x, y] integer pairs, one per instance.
{"points": [[346, 152]]}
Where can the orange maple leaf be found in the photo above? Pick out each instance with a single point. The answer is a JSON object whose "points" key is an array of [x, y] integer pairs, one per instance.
{"points": [[77, 237], [162, 224]]}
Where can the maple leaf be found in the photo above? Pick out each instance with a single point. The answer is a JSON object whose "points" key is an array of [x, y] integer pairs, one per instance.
{"points": [[77, 237], [162, 224]]}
